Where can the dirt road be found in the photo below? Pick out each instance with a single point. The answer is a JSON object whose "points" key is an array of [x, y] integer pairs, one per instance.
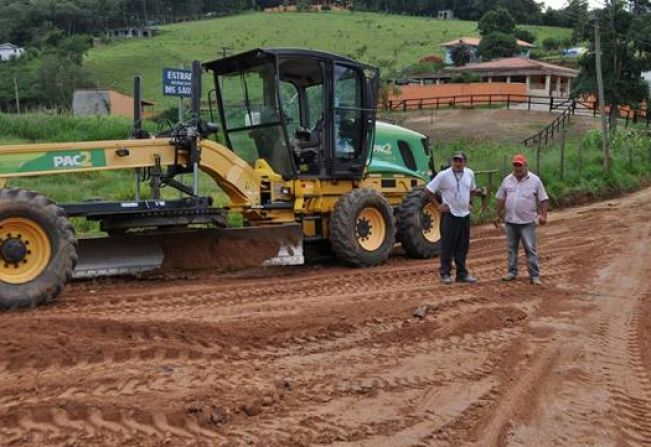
{"points": [[324, 355]]}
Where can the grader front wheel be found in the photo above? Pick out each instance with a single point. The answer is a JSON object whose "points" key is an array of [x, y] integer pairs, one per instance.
{"points": [[419, 225], [362, 228], [38, 249]]}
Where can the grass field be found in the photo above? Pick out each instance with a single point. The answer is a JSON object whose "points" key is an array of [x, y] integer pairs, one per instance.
{"points": [[386, 41]]}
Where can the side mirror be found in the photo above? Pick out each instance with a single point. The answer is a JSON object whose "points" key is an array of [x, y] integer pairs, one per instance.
{"points": [[208, 128]]}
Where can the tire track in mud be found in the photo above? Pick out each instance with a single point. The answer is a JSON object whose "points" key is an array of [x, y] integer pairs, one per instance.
{"points": [[603, 384], [314, 384], [321, 355]]}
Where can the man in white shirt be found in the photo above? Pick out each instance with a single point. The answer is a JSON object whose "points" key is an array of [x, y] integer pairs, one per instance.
{"points": [[521, 194], [456, 186]]}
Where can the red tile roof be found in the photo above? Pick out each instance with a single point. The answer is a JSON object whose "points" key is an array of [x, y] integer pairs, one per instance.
{"points": [[515, 64], [474, 42]]}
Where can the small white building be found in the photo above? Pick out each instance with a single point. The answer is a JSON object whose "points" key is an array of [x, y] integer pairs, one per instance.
{"points": [[10, 51], [446, 14], [647, 77]]}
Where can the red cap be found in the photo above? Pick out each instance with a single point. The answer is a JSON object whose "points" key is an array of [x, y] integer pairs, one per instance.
{"points": [[519, 159]]}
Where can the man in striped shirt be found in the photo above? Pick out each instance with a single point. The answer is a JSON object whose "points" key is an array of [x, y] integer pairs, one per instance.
{"points": [[522, 195]]}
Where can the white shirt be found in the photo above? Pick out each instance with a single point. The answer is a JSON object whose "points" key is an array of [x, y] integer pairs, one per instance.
{"points": [[455, 189], [521, 197]]}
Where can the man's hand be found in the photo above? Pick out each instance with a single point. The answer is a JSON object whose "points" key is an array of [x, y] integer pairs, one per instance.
{"points": [[444, 208], [497, 221], [542, 220]]}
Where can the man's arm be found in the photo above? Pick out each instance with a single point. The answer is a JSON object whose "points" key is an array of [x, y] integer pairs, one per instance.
{"points": [[500, 202], [499, 209], [543, 201], [542, 220], [443, 208]]}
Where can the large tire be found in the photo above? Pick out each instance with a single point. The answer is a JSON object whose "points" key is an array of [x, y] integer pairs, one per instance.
{"points": [[38, 249], [362, 228], [419, 225]]}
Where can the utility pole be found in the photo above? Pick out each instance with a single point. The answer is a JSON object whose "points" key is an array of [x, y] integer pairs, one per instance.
{"points": [[144, 7], [17, 95], [602, 100]]}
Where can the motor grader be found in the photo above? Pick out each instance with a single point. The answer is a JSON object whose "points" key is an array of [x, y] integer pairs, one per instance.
{"points": [[296, 149]]}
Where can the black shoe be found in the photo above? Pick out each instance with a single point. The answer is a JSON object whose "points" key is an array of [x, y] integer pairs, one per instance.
{"points": [[446, 279], [467, 279]]}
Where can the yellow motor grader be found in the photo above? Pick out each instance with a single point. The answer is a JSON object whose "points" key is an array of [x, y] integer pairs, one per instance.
{"points": [[302, 160]]}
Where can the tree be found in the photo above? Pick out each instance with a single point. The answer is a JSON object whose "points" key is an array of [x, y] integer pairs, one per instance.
{"points": [[495, 45], [625, 54], [461, 55], [578, 14], [497, 20]]}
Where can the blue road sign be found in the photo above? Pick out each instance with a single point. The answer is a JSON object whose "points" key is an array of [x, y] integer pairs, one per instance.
{"points": [[177, 82]]}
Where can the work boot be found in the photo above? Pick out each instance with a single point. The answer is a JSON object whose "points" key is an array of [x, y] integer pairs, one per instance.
{"points": [[509, 277], [446, 279], [467, 279], [536, 281]]}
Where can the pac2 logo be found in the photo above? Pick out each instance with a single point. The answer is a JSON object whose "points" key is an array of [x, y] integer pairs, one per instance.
{"points": [[80, 160]]}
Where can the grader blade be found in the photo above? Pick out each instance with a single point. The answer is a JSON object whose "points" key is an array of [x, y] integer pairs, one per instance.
{"points": [[195, 249]]}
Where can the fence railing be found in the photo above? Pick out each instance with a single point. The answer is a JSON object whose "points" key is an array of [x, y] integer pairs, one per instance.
{"points": [[547, 132], [532, 102], [475, 100]]}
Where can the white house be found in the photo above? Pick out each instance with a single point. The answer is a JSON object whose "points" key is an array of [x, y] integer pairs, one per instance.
{"points": [[647, 77], [9, 51]]}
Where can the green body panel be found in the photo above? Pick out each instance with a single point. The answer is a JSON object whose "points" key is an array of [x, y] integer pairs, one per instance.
{"points": [[386, 157], [51, 161]]}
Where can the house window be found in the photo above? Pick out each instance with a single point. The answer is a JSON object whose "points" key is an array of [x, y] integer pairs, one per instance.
{"points": [[519, 79]]}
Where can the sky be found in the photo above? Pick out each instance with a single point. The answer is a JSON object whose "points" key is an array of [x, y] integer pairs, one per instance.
{"points": [[557, 4]]}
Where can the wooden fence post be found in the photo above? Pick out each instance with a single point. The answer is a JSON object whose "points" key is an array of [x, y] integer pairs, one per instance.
{"points": [[528, 102], [538, 157], [490, 103], [404, 105], [551, 103], [508, 101], [563, 153]]}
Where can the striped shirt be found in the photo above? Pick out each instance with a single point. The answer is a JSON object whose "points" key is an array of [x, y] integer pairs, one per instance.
{"points": [[521, 197]]}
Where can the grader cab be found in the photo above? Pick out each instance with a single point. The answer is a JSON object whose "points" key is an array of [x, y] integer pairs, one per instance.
{"points": [[296, 150]]}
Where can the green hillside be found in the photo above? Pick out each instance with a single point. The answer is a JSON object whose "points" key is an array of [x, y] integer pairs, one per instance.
{"points": [[378, 39]]}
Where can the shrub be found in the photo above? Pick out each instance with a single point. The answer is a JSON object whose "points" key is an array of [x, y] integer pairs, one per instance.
{"points": [[465, 78], [526, 35], [551, 44]]}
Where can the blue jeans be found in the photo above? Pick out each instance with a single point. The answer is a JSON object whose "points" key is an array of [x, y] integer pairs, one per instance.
{"points": [[527, 234]]}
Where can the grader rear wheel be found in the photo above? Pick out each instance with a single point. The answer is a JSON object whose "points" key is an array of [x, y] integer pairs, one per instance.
{"points": [[38, 249], [419, 225], [362, 228]]}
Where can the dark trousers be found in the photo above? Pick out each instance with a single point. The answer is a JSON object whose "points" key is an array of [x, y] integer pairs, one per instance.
{"points": [[455, 241]]}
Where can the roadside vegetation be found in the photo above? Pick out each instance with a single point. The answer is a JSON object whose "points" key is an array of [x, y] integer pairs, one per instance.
{"points": [[582, 179]]}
